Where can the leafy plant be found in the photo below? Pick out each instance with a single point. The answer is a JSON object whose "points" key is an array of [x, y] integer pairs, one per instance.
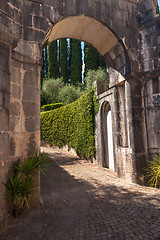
{"points": [[51, 106], [30, 165], [18, 192], [94, 75], [157, 11], [19, 186], [153, 171], [72, 125]]}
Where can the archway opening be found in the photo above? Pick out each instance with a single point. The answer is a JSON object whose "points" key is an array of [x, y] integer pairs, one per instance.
{"points": [[70, 67], [107, 136], [98, 35], [112, 50]]}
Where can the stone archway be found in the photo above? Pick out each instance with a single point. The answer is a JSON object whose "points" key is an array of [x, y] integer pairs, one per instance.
{"points": [[85, 28], [133, 51]]}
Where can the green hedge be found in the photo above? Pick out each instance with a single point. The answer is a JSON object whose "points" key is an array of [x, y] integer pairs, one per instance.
{"points": [[51, 106], [72, 125]]}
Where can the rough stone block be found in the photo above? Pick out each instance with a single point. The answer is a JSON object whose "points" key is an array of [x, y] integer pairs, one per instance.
{"points": [[31, 143], [30, 93], [15, 14], [41, 23], [4, 59], [4, 146], [12, 146], [15, 108], [16, 91], [31, 109], [5, 81], [33, 35], [15, 75], [4, 126], [158, 29], [31, 78], [32, 124], [4, 100], [34, 8], [15, 124], [27, 20]]}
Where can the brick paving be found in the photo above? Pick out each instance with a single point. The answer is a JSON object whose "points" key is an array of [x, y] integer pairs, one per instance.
{"points": [[82, 201]]}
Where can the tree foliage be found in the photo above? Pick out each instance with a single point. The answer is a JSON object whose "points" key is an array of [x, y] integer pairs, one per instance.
{"points": [[50, 90], [157, 10], [76, 62], [69, 94], [91, 58], [53, 66], [72, 125], [94, 75], [55, 91], [63, 58]]}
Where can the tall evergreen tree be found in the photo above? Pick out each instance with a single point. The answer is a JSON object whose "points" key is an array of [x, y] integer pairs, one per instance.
{"points": [[46, 61], [43, 68], [63, 58], [75, 62], [101, 63], [91, 58], [53, 66]]}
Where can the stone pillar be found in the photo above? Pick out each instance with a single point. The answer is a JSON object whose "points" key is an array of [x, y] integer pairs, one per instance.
{"points": [[6, 45], [137, 138], [4, 118], [25, 105]]}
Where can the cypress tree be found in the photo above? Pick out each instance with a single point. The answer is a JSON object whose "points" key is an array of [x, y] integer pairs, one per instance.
{"points": [[46, 61], [43, 68], [53, 68], [63, 58], [101, 62], [75, 62], [157, 10], [91, 58]]}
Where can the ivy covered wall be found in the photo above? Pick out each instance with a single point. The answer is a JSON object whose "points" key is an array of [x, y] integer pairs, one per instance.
{"points": [[72, 125]]}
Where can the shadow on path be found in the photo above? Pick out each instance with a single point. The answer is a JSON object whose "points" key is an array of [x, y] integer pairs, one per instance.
{"points": [[76, 208]]}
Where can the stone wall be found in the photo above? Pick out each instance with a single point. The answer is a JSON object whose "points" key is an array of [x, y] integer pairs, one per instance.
{"points": [[134, 94], [150, 52]]}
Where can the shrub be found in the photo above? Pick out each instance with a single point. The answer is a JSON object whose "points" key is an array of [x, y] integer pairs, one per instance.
{"points": [[51, 106], [93, 75], [72, 125], [69, 94], [19, 186], [153, 171], [50, 90]]}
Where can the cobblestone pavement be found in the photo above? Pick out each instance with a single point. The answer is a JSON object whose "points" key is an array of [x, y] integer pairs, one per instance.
{"points": [[82, 201]]}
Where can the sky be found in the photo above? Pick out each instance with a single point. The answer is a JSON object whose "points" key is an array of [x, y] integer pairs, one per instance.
{"points": [[159, 2]]}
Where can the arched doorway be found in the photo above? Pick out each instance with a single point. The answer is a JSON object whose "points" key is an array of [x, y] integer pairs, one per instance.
{"points": [[107, 136], [110, 141]]}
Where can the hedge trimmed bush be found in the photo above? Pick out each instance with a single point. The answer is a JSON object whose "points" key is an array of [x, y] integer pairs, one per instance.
{"points": [[51, 106], [72, 125]]}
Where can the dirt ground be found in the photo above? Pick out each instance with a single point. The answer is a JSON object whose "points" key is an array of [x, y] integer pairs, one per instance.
{"points": [[82, 201]]}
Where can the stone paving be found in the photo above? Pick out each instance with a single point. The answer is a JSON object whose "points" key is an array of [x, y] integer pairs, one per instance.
{"points": [[82, 201]]}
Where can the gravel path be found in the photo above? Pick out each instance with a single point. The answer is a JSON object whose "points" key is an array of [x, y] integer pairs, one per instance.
{"points": [[82, 201]]}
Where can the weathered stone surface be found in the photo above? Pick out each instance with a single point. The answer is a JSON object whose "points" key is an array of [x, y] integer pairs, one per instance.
{"points": [[32, 124], [30, 93], [126, 33], [31, 108]]}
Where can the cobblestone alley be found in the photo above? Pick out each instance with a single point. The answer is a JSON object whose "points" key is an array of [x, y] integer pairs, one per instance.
{"points": [[80, 200]]}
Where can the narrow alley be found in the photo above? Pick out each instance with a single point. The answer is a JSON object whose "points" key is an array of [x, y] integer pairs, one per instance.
{"points": [[82, 201]]}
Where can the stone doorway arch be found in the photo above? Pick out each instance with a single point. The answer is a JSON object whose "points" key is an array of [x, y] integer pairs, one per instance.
{"points": [[107, 136]]}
